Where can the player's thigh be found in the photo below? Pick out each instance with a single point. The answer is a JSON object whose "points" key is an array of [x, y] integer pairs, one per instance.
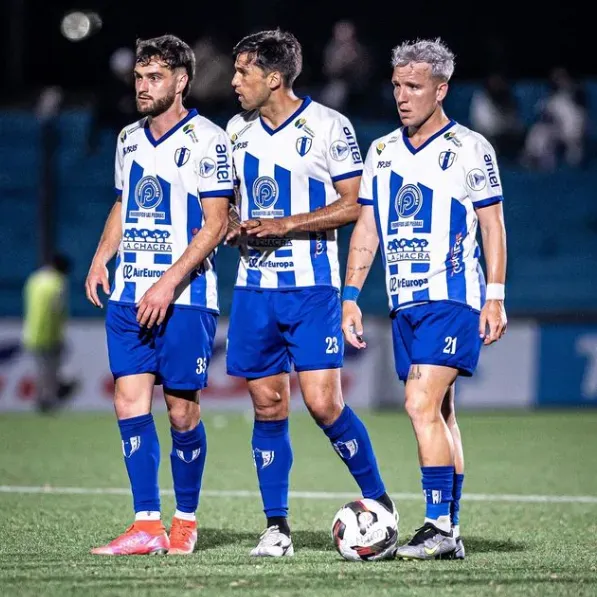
{"points": [[256, 348], [131, 348], [133, 395], [312, 323], [446, 334], [402, 338], [184, 345]]}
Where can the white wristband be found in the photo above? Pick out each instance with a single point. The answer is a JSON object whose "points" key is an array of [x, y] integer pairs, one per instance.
{"points": [[495, 292]]}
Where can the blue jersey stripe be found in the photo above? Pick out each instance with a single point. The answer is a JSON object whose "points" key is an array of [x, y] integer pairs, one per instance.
{"points": [[320, 260], [455, 267], [378, 221], [129, 292], [194, 222], [116, 266], [284, 201], [253, 277], [164, 206], [129, 257], [135, 175], [162, 259], [283, 253], [286, 280], [421, 295]]}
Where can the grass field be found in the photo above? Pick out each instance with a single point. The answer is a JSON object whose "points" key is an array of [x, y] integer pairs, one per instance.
{"points": [[542, 545]]}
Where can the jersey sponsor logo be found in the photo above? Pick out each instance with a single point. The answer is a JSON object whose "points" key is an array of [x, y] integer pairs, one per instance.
{"points": [[396, 283], [130, 271], [408, 203], [446, 159], [143, 239], [407, 249], [189, 129], [222, 163], [265, 194], [129, 149], [267, 243], [455, 256], [181, 156], [451, 136], [476, 180], [339, 151], [207, 167], [255, 262], [354, 147], [148, 195], [494, 181], [301, 123], [303, 145]]}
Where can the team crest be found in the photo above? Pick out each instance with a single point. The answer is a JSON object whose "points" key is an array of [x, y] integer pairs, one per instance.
{"points": [[446, 159], [181, 156], [303, 145], [346, 450], [263, 458], [380, 147], [131, 446], [192, 456]]}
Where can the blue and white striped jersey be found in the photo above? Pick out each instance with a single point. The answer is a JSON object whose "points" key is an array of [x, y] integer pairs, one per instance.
{"points": [[287, 171], [424, 201], [162, 184]]}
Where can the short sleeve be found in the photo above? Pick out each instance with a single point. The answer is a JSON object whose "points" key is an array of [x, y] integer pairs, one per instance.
{"points": [[343, 155], [482, 177], [214, 168], [366, 188]]}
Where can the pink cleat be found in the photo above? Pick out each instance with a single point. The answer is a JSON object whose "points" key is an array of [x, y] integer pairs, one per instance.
{"points": [[183, 537], [143, 537]]}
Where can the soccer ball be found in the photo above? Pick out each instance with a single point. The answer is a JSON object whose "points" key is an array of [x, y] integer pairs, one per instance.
{"points": [[365, 530]]}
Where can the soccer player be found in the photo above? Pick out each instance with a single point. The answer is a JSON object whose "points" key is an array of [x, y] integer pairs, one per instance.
{"points": [[298, 166], [424, 189], [173, 184]]}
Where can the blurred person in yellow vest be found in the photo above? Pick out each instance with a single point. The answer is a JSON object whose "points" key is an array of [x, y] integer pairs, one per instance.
{"points": [[45, 313]]}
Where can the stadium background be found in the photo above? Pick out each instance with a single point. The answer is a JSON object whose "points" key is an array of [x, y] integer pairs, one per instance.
{"points": [[530, 495]]}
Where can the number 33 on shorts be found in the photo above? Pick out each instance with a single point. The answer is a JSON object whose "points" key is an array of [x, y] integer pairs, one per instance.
{"points": [[201, 366]]}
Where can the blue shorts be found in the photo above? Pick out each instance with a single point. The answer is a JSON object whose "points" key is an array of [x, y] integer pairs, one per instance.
{"points": [[177, 352], [436, 333], [272, 329]]}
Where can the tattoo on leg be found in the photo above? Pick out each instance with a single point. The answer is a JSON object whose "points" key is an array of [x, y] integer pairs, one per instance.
{"points": [[415, 372]]}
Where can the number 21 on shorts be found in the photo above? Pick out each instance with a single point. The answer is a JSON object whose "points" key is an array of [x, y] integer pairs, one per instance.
{"points": [[450, 347]]}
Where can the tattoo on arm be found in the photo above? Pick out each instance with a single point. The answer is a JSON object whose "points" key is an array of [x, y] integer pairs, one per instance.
{"points": [[233, 217], [353, 271], [414, 373]]}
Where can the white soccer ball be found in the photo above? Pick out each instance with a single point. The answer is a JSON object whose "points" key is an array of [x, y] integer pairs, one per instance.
{"points": [[364, 530]]}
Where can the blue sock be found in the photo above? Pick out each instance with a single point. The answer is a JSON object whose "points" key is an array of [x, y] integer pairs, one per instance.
{"points": [[141, 449], [272, 453], [350, 439], [456, 495], [189, 449], [437, 487]]}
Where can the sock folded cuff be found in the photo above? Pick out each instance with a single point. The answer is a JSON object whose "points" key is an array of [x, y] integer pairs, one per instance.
{"points": [[340, 425], [136, 424], [270, 428], [437, 471], [188, 438]]}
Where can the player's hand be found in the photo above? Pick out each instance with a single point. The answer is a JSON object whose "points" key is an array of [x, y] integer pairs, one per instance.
{"points": [[352, 324], [97, 276], [153, 306], [267, 227], [493, 321]]}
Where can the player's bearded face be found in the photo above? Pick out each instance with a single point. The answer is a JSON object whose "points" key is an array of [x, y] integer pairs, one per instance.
{"points": [[250, 83], [417, 93], [155, 86]]}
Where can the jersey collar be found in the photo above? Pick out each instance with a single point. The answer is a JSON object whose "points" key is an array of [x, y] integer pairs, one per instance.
{"points": [[192, 113], [415, 150], [301, 108]]}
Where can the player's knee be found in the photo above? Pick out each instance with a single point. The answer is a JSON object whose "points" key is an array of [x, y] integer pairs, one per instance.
{"points": [[184, 415], [269, 405], [128, 405], [421, 408], [324, 410]]}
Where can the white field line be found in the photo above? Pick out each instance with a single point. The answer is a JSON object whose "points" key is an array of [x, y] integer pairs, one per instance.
{"points": [[307, 495]]}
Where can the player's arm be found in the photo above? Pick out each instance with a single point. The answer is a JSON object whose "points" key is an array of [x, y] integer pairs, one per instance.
{"points": [[106, 249], [154, 303], [493, 236], [363, 247]]}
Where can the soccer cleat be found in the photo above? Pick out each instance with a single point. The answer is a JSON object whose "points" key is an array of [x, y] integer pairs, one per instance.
{"points": [[183, 537], [273, 543], [428, 543], [143, 537], [459, 552]]}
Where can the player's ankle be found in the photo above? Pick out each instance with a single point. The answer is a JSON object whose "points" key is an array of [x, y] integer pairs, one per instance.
{"points": [[188, 516], [281, 522], [148, 516]]}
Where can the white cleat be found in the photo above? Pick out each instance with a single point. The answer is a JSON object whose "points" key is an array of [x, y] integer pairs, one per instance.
{"points": [[273, 543]]}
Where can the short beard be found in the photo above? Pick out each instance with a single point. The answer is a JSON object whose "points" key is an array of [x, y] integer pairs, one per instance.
{"points": [[158, 106]]}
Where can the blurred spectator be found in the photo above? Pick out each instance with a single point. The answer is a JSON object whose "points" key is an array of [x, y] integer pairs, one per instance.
{"points": [[114, 99], [346, 67], [45, 311], [494, 114], [561, 128], [212, 90]]}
